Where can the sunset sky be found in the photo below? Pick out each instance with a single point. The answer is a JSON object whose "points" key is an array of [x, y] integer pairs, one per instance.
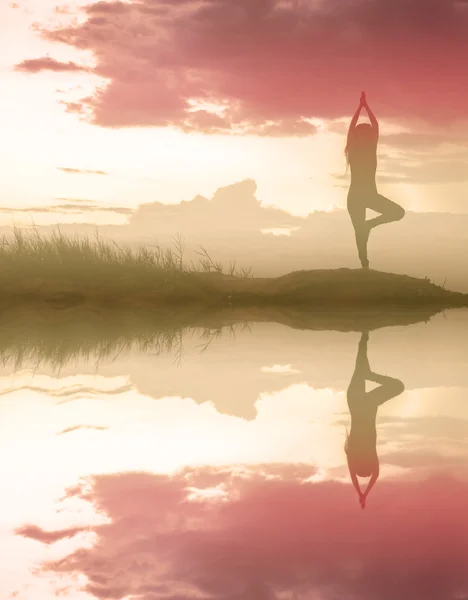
{"points": [[112, 104]]}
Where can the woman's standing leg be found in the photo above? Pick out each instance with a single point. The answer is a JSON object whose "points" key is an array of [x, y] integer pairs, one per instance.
{"points": [[361, 231], [357, 385]]}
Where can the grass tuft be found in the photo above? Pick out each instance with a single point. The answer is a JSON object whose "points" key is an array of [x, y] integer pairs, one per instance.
{"points": [[34, 264]]}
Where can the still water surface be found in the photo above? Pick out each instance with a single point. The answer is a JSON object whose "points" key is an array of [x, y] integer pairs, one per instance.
{"points": [[218, 470]]}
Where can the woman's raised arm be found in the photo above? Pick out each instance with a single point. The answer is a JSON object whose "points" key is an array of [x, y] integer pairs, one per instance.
{"points": [[373, 479], [354, 121], [372, 118]]}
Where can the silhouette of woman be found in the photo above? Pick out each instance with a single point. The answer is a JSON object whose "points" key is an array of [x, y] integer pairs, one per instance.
{"points": [[361, 155], [361, 443]]}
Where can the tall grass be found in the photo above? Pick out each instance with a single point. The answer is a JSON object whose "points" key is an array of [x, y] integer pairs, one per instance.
{"points": [[31, 262], [31, 249]]}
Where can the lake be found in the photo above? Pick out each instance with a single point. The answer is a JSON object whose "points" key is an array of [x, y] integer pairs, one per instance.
{"points": [[218, 463]]}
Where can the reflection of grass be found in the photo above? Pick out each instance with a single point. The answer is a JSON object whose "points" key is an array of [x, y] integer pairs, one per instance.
{"points": [[64, 271], [58, 352], [30, 336]]}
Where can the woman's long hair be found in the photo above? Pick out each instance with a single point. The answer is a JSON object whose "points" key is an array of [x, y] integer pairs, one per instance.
{"points": [[346, 446], [346, 151]]}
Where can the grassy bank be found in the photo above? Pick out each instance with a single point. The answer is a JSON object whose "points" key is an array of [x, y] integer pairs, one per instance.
{"points": [[66, 271]]}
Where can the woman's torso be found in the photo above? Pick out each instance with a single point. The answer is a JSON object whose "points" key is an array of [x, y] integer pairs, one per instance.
{"points": [[362, 442], [363, 431], [363, 167]]}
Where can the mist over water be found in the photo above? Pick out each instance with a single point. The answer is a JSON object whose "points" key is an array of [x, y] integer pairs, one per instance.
{"points": [[209, 461]]}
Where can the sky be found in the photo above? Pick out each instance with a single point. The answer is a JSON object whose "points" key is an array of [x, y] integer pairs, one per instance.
{"points": [[109, 105]]}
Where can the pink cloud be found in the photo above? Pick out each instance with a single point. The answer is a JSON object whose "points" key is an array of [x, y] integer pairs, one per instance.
{"points": [[47, 537], [81, 171], [45, 63], [272, 63], [81, 427], [272, 534]]}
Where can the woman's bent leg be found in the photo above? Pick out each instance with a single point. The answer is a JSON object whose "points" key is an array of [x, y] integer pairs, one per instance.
{"points": [[390, 211]]}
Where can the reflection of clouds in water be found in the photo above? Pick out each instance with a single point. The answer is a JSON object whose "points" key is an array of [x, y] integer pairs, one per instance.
{"points": [[285, 522], [81, 427], [280, 369], [128, 432], [320, 358], [296, 425], [115, 428], [270, 534], [66, 388]]}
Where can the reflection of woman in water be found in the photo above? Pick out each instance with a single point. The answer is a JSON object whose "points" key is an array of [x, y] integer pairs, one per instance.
{"points": [[361, 443], [361, 154]]}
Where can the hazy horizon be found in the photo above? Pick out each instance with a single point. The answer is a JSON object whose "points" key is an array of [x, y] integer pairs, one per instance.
{"points": [[234, 226]]}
